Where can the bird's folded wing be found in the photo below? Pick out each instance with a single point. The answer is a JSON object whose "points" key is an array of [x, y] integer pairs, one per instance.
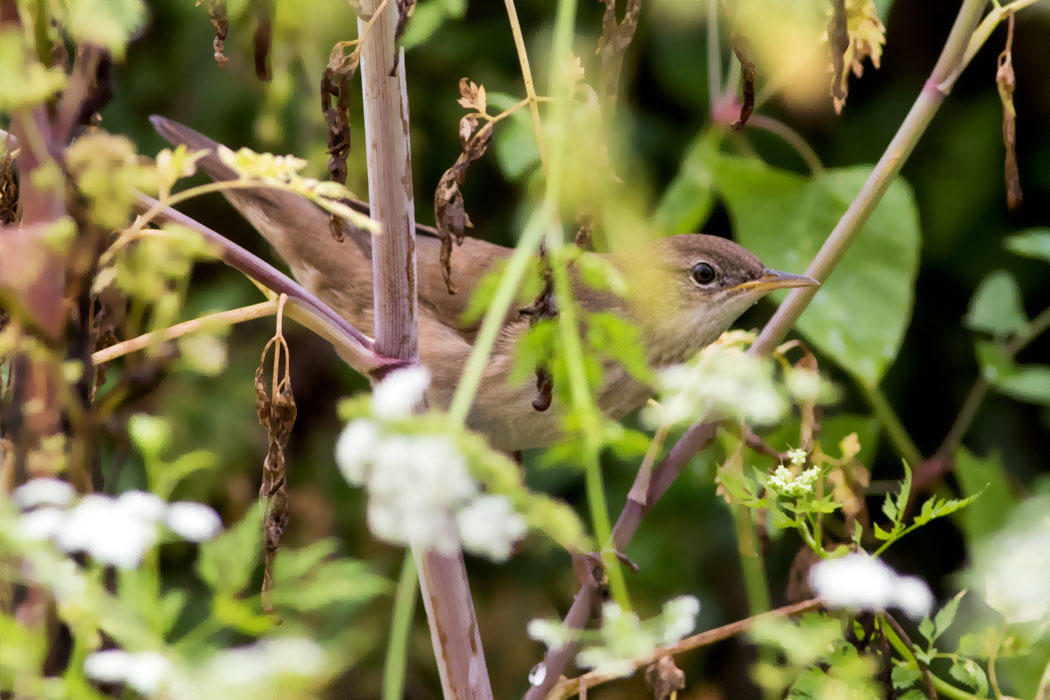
{"points": [[341, 271]]}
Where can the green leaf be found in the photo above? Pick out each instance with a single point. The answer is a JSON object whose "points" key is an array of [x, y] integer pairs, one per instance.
{"points": [[987, 475], [996, 307], [889, 508], [969, 673], [993, 361], [226, 563], [619, 340], [946, 615], [1029, 383], [689, 198], [784, 218], [926, 629], [904, 677], [311, 579], [108, 23], [1031, 244]]}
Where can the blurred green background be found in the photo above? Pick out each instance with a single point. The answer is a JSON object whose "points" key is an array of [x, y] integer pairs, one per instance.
{"points": [[687, 545]]}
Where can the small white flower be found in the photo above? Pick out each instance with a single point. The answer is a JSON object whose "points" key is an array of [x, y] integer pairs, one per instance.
{"points": [[489, 526], [400, 392], [43, 491], [552, 633], [41, 523], [256, 663], [109, 666], [797, 457], [109, 533], [865, 583], [913, 596], [195, 522], [787, 484], [679, 618], [141, 505], [355, 450], [623, 639]]}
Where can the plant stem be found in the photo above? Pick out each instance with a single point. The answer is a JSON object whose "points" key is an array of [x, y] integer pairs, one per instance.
{"points": [[791, 137], [400, 628], [450, 612], [511, 279], [895, 430], [526, 75], [968, 412], [714, 58], [943, 687], [230, 317], [750, 562], [900, 147]]}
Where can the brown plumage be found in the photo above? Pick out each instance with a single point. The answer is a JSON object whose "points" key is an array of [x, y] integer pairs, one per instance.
{"points": [[685, 291]]}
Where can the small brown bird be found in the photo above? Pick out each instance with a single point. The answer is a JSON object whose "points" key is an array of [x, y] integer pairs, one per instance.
{"points": [[685, 291]]}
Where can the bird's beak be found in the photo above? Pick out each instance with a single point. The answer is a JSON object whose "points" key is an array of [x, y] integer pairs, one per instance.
{"points": [[775, 279]]}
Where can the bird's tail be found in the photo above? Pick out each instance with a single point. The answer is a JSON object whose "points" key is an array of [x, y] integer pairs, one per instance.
{"points": [[296, 227]]}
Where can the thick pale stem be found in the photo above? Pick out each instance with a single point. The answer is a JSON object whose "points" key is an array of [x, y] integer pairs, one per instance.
{"points": [[446, 593]]}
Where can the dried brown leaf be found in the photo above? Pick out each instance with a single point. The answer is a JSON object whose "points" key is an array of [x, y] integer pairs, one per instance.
{"points": [[467, 125], [664, 678], [277, 411], [1006, 82], [335, 107], [262, 41], [838, 34], [865, 36], [8, 188], [220, 21], [472, 96], [747, 78], [584, 230], [612, 45], [450, 213], [544, 307], [405, 10]]}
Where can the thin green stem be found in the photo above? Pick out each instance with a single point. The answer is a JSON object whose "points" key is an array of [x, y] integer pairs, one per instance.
{"points": [[790, 137], [895, 430], [972, 403], [943, 687], [751, 562], [400, 627], [517, 264], [714, 57]]}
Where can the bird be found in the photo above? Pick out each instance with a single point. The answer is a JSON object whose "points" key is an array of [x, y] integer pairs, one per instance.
{"points": [[685, 291]]}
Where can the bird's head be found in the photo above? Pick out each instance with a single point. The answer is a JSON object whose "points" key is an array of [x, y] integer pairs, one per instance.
{"points": [[703, 283]]}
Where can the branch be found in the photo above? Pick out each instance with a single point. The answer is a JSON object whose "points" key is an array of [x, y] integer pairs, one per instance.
{"points": [[568, 687], [443, 579], [952, 60]]}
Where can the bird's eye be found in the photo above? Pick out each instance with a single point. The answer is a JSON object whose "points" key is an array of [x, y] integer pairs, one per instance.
{"points": [[704, 273]]}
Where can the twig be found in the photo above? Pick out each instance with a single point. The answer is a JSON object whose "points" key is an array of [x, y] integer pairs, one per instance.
{"points": [[968, 412], [926, 674], [792, 138], [232, 316], [526, 75], [895, 430], [569, 687], [698, 435]]}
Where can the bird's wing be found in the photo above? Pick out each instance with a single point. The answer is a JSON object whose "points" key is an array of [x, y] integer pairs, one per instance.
{"points": [[299, 231]]}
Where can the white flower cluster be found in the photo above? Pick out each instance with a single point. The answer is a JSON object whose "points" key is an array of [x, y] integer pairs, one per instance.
{"points": [[420, 491], [144, 671], [787, 484], [229, 671], [114, 531], [624, 637], [864, 583], [722, 379]]}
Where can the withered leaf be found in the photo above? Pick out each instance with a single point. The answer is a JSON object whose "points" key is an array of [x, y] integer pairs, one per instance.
{"points": [[747, 79], [664, 678], [8, 188], [276, 408], [405, 9], [612, 45], [838, 39], [220, 21], [263, 39], [466, 129], [450, 213], [335, 107], [1006, 82], [584, 230], [544, 307], [472, 96]]}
